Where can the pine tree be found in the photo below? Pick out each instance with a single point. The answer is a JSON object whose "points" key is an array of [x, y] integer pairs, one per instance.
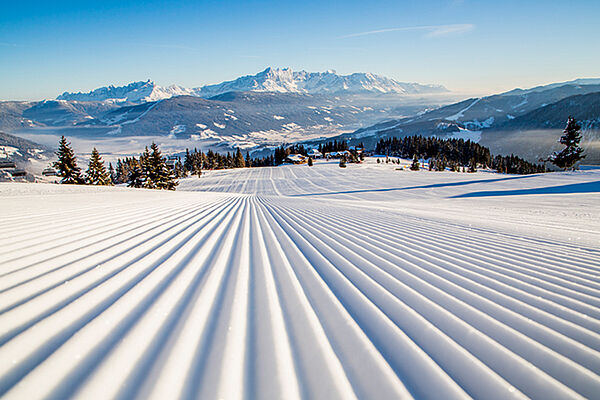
{"points": [[146, 168], [66, 165], [310, 162], [136, 177], [187, 161], [122, 172], [571, 137], [179, 170], [158, 174], [239, 161], [472, 166], [96, 173], [415, 164], [111, 173], [248, 160]]}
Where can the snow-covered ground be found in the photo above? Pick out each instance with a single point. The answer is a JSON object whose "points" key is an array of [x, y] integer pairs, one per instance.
{"points": [[304, 282]]}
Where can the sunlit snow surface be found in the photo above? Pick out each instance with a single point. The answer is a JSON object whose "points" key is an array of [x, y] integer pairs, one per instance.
{"points": [[304, 282]]}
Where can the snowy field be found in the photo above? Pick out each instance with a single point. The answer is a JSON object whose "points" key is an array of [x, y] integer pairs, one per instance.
{"points": [[304, 282]]}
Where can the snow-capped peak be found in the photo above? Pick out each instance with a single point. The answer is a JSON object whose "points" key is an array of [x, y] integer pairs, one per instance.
{"points": [[136, 92], [285, 80], [281, 80]]}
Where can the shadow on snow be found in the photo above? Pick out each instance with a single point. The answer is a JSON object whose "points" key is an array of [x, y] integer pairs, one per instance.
{"points": [[435, 185], [587, 187]]}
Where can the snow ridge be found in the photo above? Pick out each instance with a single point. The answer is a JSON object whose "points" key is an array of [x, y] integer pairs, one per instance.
{"points": [[136, 92], [277, 80], [285, 80]]}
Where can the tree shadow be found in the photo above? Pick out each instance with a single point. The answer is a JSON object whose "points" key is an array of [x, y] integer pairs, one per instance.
{"points": [[435, 185], [587, 187]]}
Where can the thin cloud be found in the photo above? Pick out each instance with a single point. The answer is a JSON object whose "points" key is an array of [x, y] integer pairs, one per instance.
{"points": [[450, 30], [432, 31], [164, 46]]}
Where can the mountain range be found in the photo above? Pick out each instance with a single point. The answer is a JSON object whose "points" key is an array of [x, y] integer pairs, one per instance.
{"points": [[527, 122], [277, 80], [252, 112], [276, 106]]}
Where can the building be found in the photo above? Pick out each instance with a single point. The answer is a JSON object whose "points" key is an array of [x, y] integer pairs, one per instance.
{"points": [[296, 159], [49, 171], [314, 154], [7, 165], [338, 154]]}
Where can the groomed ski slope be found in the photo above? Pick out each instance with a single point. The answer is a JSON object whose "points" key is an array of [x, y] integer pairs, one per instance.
{"points": [[298, 282]]}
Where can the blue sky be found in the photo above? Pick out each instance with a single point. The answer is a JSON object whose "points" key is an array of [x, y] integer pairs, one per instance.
{"points": [[467, 45]]}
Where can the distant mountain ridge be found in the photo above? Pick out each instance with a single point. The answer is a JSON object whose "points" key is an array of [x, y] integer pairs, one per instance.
{"points": [[527, 122], [136, 92], [279, 80], [273, 107], [495, 111], [329, 82]]}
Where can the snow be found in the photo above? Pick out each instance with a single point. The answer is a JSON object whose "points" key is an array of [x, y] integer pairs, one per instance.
{"points": [[220, 126], [488, 122], [284, 80], [135, 92], [176, 129], [278, 117], [465, 134], [522, 103], [304, 282], [461, 113], [8, 151]]}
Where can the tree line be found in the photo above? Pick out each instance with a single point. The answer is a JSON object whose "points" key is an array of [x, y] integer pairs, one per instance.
{"points": [[149, 171], [454, 154]]}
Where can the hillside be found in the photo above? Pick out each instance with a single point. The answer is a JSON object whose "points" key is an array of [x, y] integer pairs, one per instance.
{"points": [[303, 282], [21, 151], [250, 120], [531, 129]]}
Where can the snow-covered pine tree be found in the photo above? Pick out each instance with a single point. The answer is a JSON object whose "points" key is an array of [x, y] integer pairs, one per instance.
{"points": [[159, 175], [415, 164], [66, 165], [136, 176], [179, 170], [146, 168], [96, 173], [121, 173], [111, 172], [571, 137]]}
